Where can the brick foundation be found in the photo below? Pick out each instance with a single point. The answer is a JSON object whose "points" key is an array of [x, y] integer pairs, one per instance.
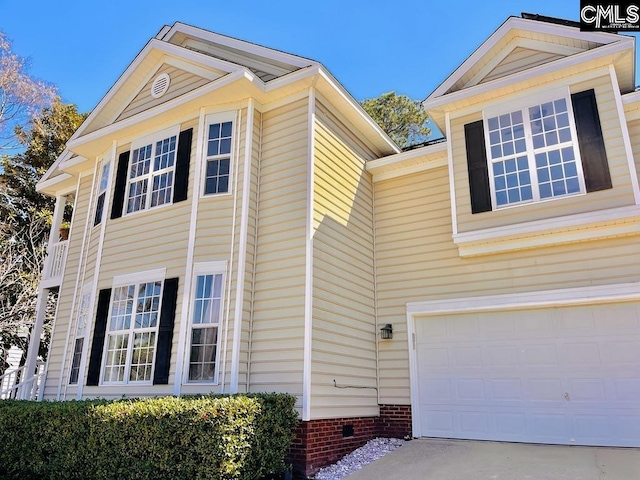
{"points": [[323, 442]]}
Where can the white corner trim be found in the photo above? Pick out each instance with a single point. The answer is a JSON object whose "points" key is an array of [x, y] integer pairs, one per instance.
{"points": [[625, 135], [452, 183], [191, 242], [553, 231], [242, 253], [414, 380], [308, 288]]}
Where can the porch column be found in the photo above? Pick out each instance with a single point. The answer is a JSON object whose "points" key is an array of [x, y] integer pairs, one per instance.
{"points": [[34, 339]]}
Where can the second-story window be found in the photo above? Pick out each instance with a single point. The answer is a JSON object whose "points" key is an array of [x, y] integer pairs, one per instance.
{"points": [[102, 191], [151, 171], [219, 145]]}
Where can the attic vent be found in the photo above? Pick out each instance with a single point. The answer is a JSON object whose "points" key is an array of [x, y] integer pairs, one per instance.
{"points": [[160, 85]]}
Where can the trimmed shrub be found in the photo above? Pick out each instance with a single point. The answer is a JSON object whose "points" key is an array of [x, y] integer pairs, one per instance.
{"points": [[207, 437]]}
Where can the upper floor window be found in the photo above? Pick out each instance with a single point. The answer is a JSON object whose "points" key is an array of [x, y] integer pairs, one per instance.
{"points": [[219, 145], [533, 153], [541, 149], [102, 191], [151, 171]]}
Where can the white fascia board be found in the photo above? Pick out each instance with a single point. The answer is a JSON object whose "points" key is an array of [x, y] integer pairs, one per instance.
{"points": [[51, 182], [248, 47], [631, 97], [155, 111], [407, 162], [611, 49], [521, 24], [337, 86], [527, 300], [61, 158]]}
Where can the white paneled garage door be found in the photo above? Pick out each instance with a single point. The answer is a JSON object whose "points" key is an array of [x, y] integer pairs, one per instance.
{"points": [[568, 375]]}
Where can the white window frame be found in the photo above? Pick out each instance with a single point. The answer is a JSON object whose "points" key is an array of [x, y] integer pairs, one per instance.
{"points": [[200, 269], [83, 317], [212, 119], [104, 173], [523, 104], [151, 140], [134, 279]]}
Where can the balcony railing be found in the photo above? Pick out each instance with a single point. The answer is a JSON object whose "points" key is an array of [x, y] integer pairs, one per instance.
{"points": [[14, 385], [56, 258]]}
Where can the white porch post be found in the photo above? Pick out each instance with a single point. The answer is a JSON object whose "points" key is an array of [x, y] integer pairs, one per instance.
{"points": [[36, 333]]}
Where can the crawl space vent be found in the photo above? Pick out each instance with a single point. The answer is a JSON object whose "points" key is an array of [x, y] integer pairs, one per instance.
{"points": [[160, 85]]}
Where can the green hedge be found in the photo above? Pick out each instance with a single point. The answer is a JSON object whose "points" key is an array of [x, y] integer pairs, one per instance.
{"points": [[207, 437]]}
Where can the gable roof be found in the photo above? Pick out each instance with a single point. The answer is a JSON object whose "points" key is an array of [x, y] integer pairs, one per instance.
{"points": [[522, 43]]}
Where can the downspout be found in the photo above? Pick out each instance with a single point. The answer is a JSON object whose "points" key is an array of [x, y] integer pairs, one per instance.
{"points": [[308, 293], [242, 250], [233, 242], [255, 257]]}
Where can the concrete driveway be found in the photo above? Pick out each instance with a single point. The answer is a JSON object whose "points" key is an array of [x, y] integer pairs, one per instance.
{"points": [[425, 459]]}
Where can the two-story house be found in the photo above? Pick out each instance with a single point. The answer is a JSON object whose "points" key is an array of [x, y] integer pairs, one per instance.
{"points": [[240, 225]]}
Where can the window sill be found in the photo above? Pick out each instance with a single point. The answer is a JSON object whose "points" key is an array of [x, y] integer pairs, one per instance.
{"points": [[608, 223]]}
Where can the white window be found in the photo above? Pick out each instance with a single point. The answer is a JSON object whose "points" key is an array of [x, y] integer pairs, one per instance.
{"points": [[81, 331], [102, 191], [533, 152], [206, 315], [152, 170], [132, 331], [218, 149]]}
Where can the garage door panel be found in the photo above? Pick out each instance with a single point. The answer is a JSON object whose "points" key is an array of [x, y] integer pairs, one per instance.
{"points": [[546, 375]]}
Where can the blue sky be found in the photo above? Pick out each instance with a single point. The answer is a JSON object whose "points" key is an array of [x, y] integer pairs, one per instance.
{"points": [[371, 47]]}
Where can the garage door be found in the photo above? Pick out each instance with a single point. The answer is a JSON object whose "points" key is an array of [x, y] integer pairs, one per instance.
{"points": [[556, 375]]}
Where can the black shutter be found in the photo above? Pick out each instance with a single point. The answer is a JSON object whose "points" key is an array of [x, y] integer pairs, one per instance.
{"points": [[592, 152], [165, 331], [183, 158], [97, 345], [121, 185], [477, 167]]}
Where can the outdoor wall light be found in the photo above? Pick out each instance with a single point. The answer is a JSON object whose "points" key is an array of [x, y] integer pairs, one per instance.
{"points": [[386, 332]]}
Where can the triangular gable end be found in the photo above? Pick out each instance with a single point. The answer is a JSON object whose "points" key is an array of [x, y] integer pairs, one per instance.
{"points": [[187, 70], [517, 45]]}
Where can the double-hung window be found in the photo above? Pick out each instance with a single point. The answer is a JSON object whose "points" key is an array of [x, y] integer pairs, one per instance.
{"points": [[533, 152], [206, 317], [102, 191], [151, 171], [218, 149], [81, 331], [132, 331]]}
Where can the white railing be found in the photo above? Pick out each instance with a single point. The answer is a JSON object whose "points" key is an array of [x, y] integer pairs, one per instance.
{"points": [[13, 386], [56, 257]]}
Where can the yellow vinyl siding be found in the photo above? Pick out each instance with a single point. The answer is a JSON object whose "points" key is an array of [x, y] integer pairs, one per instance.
{"points": [[180, 82], [66, 294], [417, 261], [620, 195], [277, 335], [518, 60], [344, 329]]}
